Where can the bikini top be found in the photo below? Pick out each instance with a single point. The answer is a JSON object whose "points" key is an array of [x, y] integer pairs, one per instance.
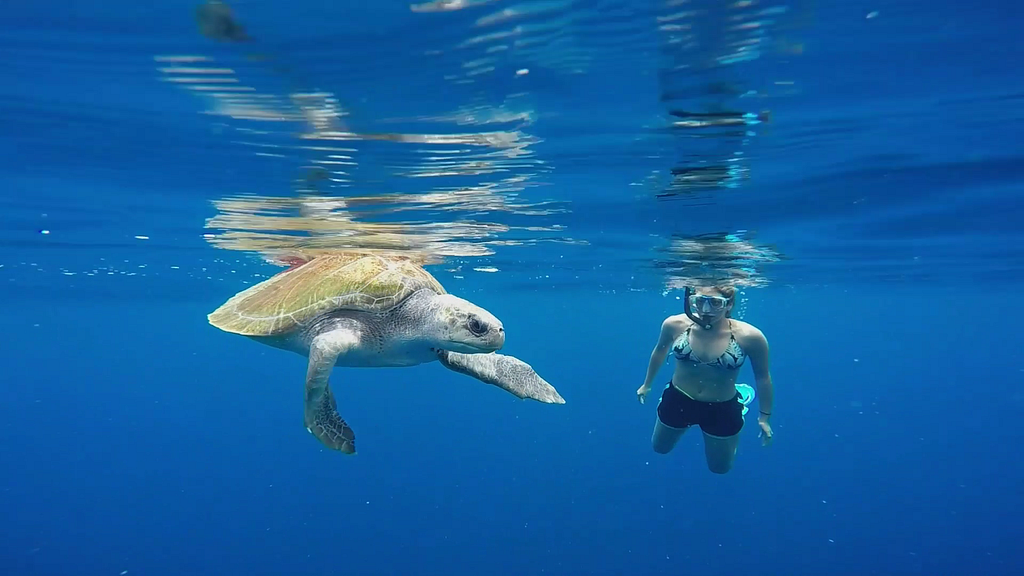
{"points": [[731, 359]]}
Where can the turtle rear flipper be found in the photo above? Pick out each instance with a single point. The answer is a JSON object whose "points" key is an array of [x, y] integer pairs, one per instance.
{"points": [[321, 410]]}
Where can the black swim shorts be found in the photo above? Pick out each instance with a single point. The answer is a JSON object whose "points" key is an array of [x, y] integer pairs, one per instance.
{"points": [[722, 419]]}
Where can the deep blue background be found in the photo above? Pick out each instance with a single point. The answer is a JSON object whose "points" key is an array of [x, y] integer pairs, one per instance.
{"points": [[135, 437]]}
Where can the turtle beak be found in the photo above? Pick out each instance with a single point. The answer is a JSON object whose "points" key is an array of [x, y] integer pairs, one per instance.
{"points": [[499, 339]]}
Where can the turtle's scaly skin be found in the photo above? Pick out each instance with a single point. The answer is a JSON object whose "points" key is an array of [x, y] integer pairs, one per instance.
{"points": [[326, 283]]}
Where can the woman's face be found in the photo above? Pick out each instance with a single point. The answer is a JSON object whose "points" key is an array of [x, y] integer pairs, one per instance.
{"points": [[709, 304]]}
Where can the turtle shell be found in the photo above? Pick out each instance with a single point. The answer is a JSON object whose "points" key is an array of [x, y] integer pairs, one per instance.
{"points": [[324, 283]]}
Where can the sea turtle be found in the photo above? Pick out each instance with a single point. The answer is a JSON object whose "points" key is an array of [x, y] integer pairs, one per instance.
{"points": [[369, 310]]}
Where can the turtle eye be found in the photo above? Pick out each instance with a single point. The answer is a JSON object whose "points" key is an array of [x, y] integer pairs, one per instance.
{"points": [[476, 326]]}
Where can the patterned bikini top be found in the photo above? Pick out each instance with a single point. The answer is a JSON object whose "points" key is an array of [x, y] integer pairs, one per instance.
{"points": [[731, 359]]}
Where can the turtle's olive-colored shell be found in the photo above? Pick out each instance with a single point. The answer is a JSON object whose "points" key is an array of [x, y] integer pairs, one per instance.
{"points": [[324, 283]]}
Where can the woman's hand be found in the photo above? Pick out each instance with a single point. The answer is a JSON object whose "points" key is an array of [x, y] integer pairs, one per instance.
{"points": [[642, 392], [766, 430]]}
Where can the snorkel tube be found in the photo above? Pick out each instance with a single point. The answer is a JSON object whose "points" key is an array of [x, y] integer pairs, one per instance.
{"points": [[689, 312]]}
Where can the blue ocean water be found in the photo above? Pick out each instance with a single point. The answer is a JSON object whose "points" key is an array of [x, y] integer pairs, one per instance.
{"points": [[870, 217]]}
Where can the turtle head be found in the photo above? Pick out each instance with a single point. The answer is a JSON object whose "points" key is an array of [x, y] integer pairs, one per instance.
{"points": [[461, 326]]}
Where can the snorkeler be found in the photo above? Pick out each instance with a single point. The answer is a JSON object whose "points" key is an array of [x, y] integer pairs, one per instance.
{"points": [[710, 347]]}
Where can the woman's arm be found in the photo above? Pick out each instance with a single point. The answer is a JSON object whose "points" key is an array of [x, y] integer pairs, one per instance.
{"points": [[756, 347], [669, 328]]}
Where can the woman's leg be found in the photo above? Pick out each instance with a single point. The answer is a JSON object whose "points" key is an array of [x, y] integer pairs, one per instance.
{"points": [[665, 437], [720, 452]]}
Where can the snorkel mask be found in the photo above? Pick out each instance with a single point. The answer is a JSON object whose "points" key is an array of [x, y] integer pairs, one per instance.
{"points": [[704, 309]]}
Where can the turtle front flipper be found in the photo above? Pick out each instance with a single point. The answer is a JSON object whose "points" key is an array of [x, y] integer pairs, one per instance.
{"points": [[321, 410], [506, 372]]}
